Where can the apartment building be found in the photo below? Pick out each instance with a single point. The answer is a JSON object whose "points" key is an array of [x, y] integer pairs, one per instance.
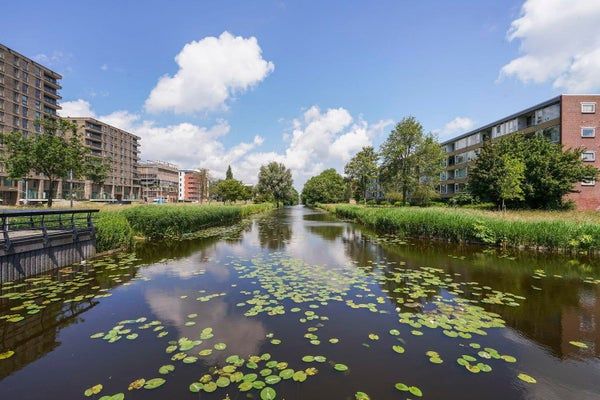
{"points": [[571, 120], [28, 92], [119, 150], [193, 185], [159, 181]]}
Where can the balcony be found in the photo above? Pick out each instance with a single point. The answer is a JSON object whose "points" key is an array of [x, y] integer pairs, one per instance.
{"points": [[48, 91], [48, 101], [52, 81]]}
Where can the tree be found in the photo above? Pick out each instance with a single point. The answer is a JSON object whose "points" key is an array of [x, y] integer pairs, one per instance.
{"points": [[361, 170], [550, 171], [292, 198], [230, 190], [411, 162], [327, 187], [511, 180], [274, 182], [55, 153], [229, 174]]}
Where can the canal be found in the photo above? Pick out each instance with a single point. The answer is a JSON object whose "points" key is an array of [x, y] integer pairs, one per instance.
{"points": [[299, 305]]}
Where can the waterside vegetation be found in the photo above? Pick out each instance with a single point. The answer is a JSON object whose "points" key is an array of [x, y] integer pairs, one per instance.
{"points": [[118, 228], [548, 231]]}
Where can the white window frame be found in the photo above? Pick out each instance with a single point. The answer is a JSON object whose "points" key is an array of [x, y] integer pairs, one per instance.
{"points": [[592, 152], [588, 127], [588, 103], [588, 182]]}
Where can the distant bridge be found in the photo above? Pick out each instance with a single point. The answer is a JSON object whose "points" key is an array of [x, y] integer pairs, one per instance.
{"points": [[37, 241]]}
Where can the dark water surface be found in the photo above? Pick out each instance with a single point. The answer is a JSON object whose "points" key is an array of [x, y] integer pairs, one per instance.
{"points": [[302, 277]]}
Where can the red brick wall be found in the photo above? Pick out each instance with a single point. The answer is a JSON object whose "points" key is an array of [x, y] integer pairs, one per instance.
{"points": [[572, 120]]}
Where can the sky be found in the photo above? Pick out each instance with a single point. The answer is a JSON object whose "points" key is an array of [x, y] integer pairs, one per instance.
{"points": [[308, 83]]}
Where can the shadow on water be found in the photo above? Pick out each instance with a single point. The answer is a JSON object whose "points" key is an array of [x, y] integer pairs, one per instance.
{"points": [[47, 321]]}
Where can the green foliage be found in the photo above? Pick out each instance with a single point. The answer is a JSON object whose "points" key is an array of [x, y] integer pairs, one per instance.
{"points": [[327, 187], [460, 225], [230, 190], [550, 172], [274, 182], [411, 162], [361, 170], [229, 173], [55, 153], [511, 181], [174, 221], [112, 231], [293, 198], [463, 199]]}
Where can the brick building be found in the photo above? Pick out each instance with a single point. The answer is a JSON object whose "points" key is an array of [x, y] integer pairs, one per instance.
{"points": [[193, 185], [571, 120]]}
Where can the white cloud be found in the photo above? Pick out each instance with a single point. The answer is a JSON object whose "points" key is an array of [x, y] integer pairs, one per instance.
{"points": [[559, 42], [211, 70], [76, 108], [455, 127], [318, 140]]}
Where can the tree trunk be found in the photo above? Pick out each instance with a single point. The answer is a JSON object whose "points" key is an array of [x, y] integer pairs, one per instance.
{"points": [[50, 192]]}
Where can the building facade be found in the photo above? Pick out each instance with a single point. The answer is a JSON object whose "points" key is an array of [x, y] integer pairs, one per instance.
{"points": [[120, 151], [159, 181], [571, 120], [28, 92], [193, 185]]}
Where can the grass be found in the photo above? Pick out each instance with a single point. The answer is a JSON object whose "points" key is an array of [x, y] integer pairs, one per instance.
{"points": [[116, 228], [534, 229]]}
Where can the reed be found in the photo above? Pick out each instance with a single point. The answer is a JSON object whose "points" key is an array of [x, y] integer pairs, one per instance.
{"points": [[515, 229]]}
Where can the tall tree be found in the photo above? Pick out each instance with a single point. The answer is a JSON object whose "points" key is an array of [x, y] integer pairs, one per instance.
{"points": [[229, 173], [55, 154], [411, 161], [274, 182], [511, 181], [361, 171], [551, 171], [327, 187]]}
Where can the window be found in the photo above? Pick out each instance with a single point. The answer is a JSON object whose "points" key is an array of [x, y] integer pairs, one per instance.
{"points": [[588, 182], [588, 132], [1, 104], [16, 109], [24, 123], [588, 155], [1, 116], [443, 176], [588, 108], [443, 189]]}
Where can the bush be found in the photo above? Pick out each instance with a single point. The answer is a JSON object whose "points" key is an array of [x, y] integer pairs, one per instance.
{"points": [[112, 231], [463, 199]]}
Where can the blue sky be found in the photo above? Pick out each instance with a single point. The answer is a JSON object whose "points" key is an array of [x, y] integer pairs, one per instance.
{"points": [[306, 83]]}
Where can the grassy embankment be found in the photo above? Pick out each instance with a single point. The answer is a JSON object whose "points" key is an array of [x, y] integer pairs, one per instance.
{"points": [[575, 231], [117, 228]]}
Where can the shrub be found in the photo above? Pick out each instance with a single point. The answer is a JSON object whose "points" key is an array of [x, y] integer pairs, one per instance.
{"points": [[463, 199]]}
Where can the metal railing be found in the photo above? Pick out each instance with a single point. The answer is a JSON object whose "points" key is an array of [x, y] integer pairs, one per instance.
{"points": [[20, 225]]}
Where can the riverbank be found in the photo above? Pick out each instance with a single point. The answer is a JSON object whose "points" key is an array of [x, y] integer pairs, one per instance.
{"points": [[119, 228], [548, 231]]}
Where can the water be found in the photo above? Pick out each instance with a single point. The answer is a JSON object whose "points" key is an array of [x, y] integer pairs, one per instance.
{"points": [[308, 255]]}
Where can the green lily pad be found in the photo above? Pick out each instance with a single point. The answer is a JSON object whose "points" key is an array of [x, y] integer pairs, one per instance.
{"points": [[526, 378], [340, 367], [154, 383], [165, 369], [268, 393]]}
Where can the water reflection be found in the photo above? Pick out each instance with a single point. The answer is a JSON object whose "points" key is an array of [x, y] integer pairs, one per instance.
{"points": [[166, 281]]}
